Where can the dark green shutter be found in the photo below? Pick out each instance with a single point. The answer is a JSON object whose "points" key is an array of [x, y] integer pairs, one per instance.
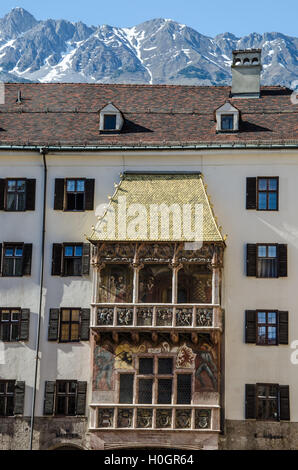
{"points": [[27, 259], [19, 398], [24, 324], [85, 324], [30, 195], [57, 259], [250, 401], [49, 398], [81, 398], [284, 403], [59, 194], [251, 193], [282, 260], [89, 194], [86, 258], [283, 327], [250, 327], [2, 193], [53, 324], [251, 259]]}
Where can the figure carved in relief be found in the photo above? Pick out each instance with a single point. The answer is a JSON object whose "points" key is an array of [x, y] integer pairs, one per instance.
{"points": [[207, 365]]}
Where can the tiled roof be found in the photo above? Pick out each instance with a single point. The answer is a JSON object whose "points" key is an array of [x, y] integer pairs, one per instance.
{"points": [[68, 114], [138, 210]]}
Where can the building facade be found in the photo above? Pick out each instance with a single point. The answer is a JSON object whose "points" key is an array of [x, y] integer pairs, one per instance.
{"points": [[121, 325]]}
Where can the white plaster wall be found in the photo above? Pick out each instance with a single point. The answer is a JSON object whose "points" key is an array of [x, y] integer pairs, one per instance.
{"points": [[225, 174]]}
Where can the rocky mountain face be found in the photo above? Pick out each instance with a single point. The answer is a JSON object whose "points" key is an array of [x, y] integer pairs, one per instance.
{"points": [[157, 51]]}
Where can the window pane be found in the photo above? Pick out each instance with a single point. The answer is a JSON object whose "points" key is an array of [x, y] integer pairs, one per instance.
{"points": [[68, 251], [14, 331], [11, 201], [77, 266], [165, 365], [126, 388], [262, 184], [71, 185], [69, 266], [183, 389], [72, 387], [21, 185], [8, 251], [5, 331], [262, 204], [145, 391], [11, 185], [75, 332], [18, 267], [146, 365], [80, 185], [261, 317], [272, 251], [71, 406], [18, 251], [8, 267], [262, 251], [75, 315], [267, 268], [272, 335], [271, 317], [273, 184], [2, 406], [61, 387], [61, 402], [164, 391], [21, 202], [79, 204], [5, 315], [262, 335], [64, 332], [227, 122], [272, 201], [65, 315], [71, 201], [110, 121], [78, 250], [10, 406]]}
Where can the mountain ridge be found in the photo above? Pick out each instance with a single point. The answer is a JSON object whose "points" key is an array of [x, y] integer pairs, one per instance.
{"points": [[158, 51]]}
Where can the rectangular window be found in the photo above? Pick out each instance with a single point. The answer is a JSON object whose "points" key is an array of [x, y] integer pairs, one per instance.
{"points": [[75, 195], [12, 260], [66, 392], [184, 389], [266, 327], [7, 390], [109, 122], [10, 324], [72, 260], [267, 402], [16, 195], [267, 261], [69, 325], [227, 122], [267, 194], [126, 388]]}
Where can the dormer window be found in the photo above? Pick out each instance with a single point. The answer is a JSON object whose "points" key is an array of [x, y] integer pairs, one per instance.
{"points": [[227, 122], [227, 118], [109, 122], [110, 119]]}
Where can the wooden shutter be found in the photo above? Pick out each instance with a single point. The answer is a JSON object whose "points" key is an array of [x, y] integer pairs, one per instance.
{"points": [[30, 195], [251, 259], [89, 194], [2, 193], [53, 329], [81, 398], [57, 259], [86, 258], [284, 403], [49, 398], [27, 258], [19, 398], [250, 401], [251, 193], [283, 321], [250, 327], [59, 194], [282, 260], [24, 324], [85, 324]]}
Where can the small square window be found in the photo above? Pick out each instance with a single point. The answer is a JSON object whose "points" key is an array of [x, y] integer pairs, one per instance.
{"points": [[109, 122]]}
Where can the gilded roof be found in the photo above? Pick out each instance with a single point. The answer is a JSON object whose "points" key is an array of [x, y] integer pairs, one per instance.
{"points": [[158, 207]]}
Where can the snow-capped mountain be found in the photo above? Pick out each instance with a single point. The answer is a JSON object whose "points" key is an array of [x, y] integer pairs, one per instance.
{"points": [[157, 51]]}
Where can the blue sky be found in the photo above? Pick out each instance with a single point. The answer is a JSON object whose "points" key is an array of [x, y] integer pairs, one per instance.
{"points": [[208, 17]]}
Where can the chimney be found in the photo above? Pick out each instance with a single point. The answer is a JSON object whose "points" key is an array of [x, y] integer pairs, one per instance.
{"points": [[246, 73]]}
